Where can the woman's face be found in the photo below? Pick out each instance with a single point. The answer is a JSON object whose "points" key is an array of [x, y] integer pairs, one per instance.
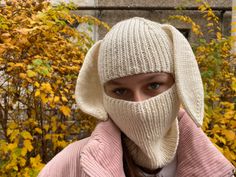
{"points": [[139, 87]]}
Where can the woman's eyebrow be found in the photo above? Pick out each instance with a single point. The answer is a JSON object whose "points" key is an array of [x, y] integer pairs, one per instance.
{"points": [[150, 78], [113, 82]]}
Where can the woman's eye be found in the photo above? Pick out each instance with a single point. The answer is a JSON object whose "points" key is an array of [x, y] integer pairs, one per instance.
{"points": [[153, 86], [119, 91]]}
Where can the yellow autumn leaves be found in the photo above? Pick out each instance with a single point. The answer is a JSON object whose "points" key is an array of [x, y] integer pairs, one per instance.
{"points": [[39, 64], [40, 57], [46, 94], [216, 63], [17, 158]]}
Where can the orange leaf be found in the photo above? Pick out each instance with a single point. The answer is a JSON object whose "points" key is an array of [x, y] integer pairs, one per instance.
{"points": [[229, 134], [65, 110]]}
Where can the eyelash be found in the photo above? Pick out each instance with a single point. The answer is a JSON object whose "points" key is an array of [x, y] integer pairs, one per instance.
{"points": [[115, 91]]}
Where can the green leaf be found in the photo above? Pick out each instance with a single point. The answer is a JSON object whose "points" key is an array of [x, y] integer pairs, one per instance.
{"points": [[37, 62], [31, 73], [26, 135], [30, 66], [90, 28]]}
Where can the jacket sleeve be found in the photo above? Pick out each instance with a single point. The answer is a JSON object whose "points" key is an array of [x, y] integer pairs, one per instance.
{"points": [[66, 162]]}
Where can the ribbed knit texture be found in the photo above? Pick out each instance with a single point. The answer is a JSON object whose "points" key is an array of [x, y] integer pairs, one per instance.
{"points": [[150, 124], [134, 46]]}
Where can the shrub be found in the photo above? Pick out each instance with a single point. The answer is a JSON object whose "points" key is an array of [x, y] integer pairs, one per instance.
{"points": [[40, 56], [217, 66]]}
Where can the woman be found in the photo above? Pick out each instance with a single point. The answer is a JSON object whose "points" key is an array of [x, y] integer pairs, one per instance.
{"points": [[134, 80]]}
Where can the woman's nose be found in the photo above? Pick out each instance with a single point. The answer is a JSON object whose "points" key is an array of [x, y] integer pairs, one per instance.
{"points": [[139, 96]]}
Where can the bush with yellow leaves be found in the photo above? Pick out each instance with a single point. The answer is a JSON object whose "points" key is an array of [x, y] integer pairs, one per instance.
{"points": [[41, 53], [217, 66]]}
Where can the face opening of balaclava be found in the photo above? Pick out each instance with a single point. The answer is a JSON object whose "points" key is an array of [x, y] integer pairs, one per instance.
{"points": [[132, 47]]}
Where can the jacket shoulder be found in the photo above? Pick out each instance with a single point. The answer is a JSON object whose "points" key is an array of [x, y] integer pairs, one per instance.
{"points": [[197, 156], [66, 162], [102, 155], [98, 155]]}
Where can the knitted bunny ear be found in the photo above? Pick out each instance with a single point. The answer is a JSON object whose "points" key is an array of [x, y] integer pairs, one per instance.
{"points": [[88, 92], [187, 75]]}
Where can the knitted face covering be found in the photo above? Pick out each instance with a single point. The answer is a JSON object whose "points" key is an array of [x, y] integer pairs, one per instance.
{"points": [[132, 48], [135, 46], [151, 126]]}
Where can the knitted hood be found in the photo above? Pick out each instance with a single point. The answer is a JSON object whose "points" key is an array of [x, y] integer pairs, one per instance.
{"points": [[188, 81]]}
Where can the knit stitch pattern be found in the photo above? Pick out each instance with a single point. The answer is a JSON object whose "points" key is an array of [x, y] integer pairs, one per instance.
{"points": [[134, 46], [150, 124]]}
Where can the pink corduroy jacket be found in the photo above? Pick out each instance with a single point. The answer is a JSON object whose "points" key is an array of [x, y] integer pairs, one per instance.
{"points": [[100, 155]]}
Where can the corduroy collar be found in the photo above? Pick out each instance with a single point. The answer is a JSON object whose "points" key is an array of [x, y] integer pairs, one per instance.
{"points": [[196, 155]]}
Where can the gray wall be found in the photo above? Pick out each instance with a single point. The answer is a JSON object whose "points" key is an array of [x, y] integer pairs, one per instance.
{"points": [[154, 3], [113, 16]]}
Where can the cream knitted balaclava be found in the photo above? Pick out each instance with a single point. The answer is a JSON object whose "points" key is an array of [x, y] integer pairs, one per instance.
{"points": [[151, 127], [137, 46]]}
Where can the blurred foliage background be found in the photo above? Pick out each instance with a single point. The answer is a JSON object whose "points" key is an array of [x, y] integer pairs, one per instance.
{"points": [[41, 53], [217, 66]]}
